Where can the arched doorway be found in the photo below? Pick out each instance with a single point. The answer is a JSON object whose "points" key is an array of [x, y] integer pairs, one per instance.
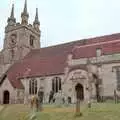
{"points": [[6, 97], [79, 91]]}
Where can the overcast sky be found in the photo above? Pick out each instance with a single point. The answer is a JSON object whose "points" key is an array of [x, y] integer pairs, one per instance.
{"points": [[66, 20]]}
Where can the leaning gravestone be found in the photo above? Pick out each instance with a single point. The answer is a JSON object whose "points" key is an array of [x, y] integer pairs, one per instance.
{"points": [[33, 117]]}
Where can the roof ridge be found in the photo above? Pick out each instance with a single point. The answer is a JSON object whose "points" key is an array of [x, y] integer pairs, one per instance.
{"points": [[100, 43], [82, 40]]}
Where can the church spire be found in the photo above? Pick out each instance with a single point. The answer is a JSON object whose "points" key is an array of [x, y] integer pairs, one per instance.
{"points": [[25, 8], [11, 20], [24, 14], [12, 11], [36, 22]]}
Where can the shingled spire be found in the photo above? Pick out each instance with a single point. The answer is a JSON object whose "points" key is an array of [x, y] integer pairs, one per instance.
{"points": [[11, 20], [24, 14], [36, 22]]}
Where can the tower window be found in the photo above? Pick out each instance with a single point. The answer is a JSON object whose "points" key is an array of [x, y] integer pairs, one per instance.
{"points": [[33, 87], [56, 84], [13, 40], [32, 41]]}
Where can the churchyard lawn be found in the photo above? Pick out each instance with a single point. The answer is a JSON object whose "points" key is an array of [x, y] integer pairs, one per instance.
{"points": [[1, 107], [102, 111]]}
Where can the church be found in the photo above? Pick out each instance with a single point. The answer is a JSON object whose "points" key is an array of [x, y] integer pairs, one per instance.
{"points": [[88, 67]]}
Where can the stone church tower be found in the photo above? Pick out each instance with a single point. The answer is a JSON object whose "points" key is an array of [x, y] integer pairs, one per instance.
{"points": [[20, 38]]}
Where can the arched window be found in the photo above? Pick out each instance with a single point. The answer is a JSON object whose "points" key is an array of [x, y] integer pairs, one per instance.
{"points": [[33, 87], [59, 84], [53, 87], [32, 40], [56, 84]]}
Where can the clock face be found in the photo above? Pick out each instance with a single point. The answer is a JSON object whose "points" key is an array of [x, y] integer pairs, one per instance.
{"points": [[13, 40]]}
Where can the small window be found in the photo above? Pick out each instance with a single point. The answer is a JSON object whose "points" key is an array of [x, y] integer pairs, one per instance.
{"points": [[98, 52], [32, 41], [13, 39]]}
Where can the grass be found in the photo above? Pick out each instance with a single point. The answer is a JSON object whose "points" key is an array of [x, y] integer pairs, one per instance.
{"points": [[14, 112], [1, 108], [102, 111]]}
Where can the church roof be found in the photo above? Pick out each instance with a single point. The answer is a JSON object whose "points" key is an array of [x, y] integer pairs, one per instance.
{"points": [[89, 50], [52, 60]]}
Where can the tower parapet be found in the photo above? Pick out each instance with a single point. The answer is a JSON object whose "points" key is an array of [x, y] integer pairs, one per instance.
{"points": [[13, 25]]}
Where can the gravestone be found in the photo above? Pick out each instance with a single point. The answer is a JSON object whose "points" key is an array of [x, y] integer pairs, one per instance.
{"points": [[66, 101], [115, 96], [69, 100], [58, 99], [40, 99], [51, 96]]}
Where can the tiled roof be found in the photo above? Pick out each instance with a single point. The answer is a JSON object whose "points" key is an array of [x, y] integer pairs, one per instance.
{"points": [[52, 60], [83, 67], [89, 50]]}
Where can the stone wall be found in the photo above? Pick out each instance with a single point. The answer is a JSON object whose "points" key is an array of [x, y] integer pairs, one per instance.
{"points": [[72, 80], [45, 82], [109, 79], [6, 85], [108, 76]]}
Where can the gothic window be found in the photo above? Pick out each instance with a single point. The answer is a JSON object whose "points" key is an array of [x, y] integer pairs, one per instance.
{"points": [[118, 78], [13, 39], [98, 52], [56, 84], [32, 41], [33, 87], [59, 84], [30, 87], [53, 86]]}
